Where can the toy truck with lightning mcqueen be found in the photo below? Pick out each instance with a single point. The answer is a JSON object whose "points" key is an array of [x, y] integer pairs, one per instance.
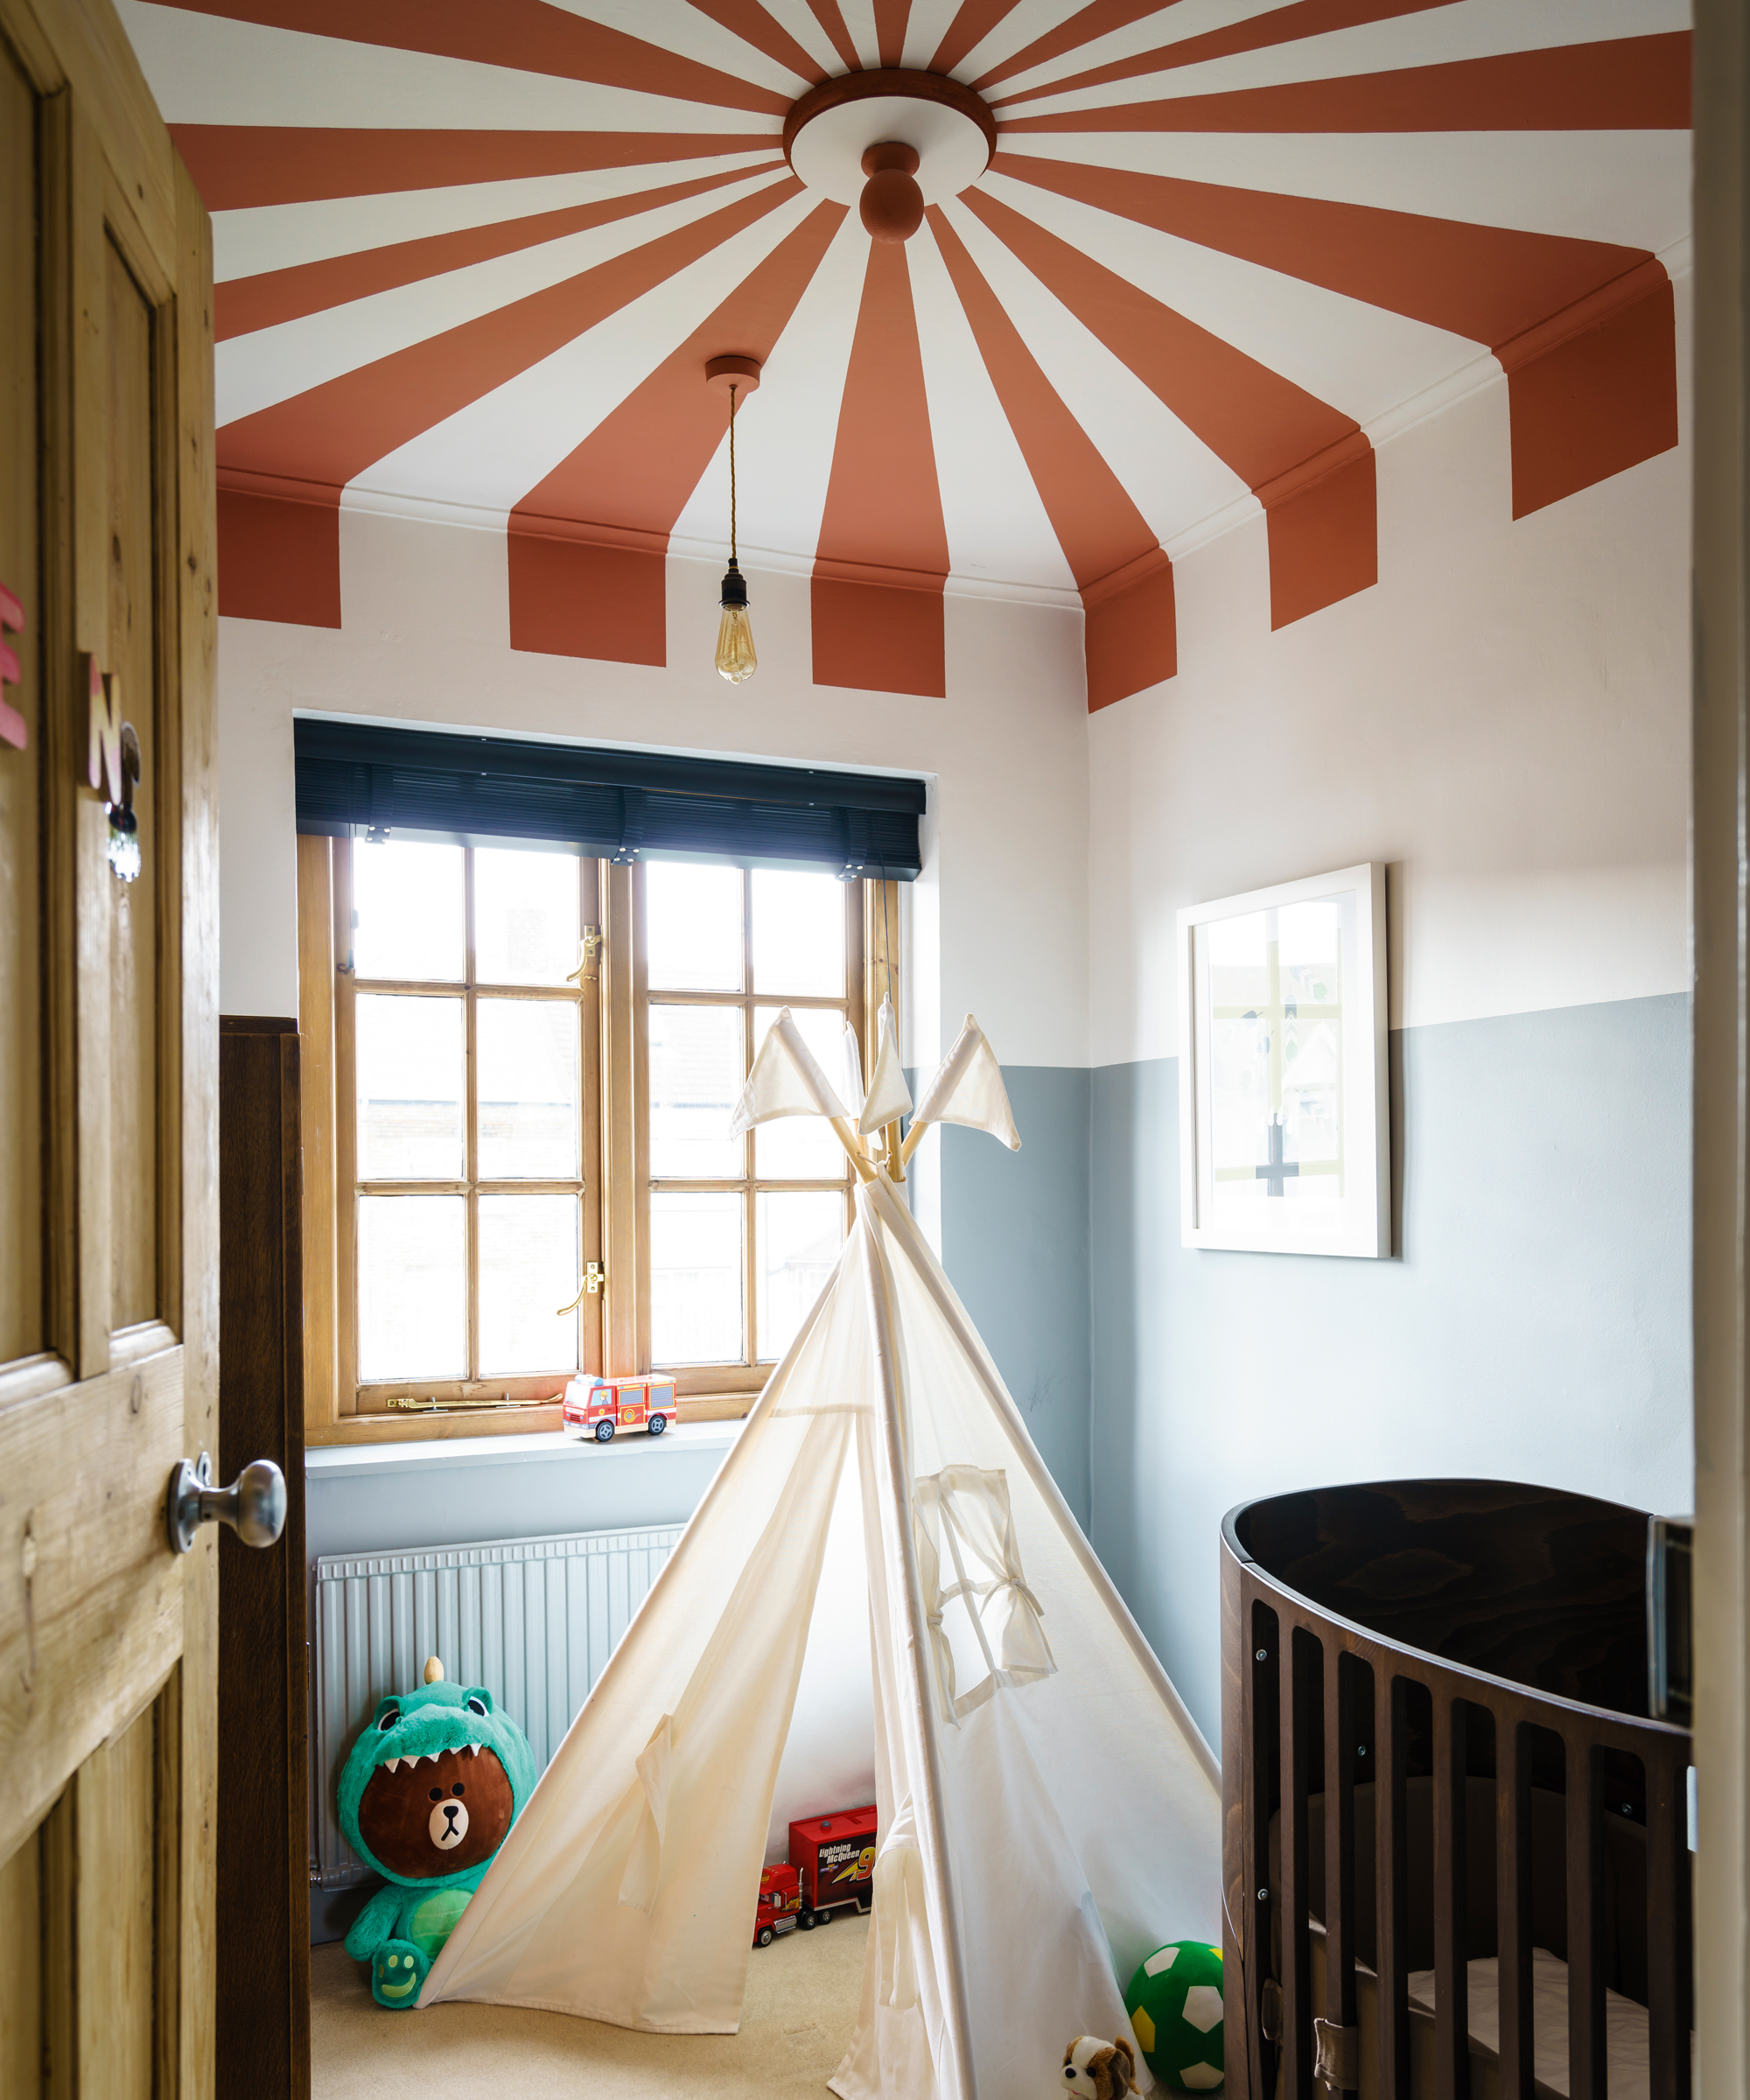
{"points": [[834, 1858], [780, 1898], [597, 1407]]}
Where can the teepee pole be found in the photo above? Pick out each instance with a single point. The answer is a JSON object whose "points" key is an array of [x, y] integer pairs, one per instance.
{"points": [[847, 1137], [880, 1287]]}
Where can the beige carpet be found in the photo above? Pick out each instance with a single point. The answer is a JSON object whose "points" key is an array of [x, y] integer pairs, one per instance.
{"points": [[796, 2020]]}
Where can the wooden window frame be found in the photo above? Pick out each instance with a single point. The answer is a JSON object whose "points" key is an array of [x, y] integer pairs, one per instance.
{"points": [[751, 1374], [344, 1399], [342, 1409]]}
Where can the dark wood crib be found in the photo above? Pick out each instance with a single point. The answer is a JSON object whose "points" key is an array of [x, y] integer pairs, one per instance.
{"points": [[1455, 1846]]}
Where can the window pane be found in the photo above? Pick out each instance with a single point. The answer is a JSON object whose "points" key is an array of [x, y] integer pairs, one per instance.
{"points": [[802, 1148], [798, 1237], [529, 1265], [696, 1073], [798, 933], [695, 1279], [413, 1289], [409, 1063], [525, 917], [525, 1068], [692, 939], [407, 902]]}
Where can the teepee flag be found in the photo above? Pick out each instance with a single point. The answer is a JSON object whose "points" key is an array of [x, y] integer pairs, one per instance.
{"points": [[785, 1081], [969, 1089], [889, 1096], [850, 1054]]}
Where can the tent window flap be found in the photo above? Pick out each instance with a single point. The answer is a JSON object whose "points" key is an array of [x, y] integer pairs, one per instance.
{"points": [[983, 1619]]}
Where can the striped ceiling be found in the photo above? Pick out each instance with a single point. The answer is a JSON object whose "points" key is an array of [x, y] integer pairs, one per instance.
{"points": [[472, 255]]}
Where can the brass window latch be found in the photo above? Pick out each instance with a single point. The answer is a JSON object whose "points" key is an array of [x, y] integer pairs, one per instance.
{"points": [[594, 1280], [589, 969]]}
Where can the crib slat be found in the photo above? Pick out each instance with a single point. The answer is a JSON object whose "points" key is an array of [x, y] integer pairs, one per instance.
{"points": [[1586, 1923], [1668, 1928], [1452, 1993], [1300, 1653], [1391, 1863], [1339, 1836], [1266, 1679], [1513, 1896]]}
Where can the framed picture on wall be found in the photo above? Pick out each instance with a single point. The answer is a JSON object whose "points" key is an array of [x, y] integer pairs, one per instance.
{"points": [[1283, 1138]]}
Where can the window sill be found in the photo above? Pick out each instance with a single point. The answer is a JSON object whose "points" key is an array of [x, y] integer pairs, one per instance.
{"points": [[546, 1447], [381, 1427]]}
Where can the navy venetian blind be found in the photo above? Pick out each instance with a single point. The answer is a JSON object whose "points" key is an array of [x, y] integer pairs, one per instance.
{"points": [[353, 779]]}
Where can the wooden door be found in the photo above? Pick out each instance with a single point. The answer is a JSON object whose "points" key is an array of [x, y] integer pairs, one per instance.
{"points": [[108, 1056]]}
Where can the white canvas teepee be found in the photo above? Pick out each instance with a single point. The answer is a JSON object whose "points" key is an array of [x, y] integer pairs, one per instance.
{"points": [[1049, 1813]]}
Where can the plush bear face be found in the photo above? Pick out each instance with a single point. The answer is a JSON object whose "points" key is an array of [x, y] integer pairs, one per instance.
{"points": [[433, 1784], [435, 1814]]}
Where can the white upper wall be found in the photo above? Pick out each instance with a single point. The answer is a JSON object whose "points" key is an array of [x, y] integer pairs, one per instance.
{"points": [[998, 924], [1503, 720]]}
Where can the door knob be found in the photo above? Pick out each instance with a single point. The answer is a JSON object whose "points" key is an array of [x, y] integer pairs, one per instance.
{"points": [[254, 1505]]}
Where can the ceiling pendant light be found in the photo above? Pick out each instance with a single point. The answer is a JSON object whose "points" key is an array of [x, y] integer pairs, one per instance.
{"points": [[735, 658]]}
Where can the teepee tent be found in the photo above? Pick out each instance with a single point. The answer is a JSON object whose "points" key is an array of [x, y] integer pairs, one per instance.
{"points": [[1048, 1812]]}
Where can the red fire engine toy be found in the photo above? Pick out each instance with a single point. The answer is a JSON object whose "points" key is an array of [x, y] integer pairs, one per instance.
{"points": [[834, 1858], [596, 1407], [781, 1898]]}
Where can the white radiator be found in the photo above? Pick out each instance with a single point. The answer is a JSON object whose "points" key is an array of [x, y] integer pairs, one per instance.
{"points": [[534, 1620]]}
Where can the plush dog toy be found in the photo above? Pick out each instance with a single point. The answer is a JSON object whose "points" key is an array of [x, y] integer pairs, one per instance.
{"points": [[1099, 2070], [428, 1792]]}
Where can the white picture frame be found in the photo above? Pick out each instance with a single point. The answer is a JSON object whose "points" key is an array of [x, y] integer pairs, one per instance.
{"points": [[1284, 1143]]}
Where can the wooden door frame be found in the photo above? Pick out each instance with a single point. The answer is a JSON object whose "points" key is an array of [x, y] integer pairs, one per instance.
{"points": [[1721, 790]]}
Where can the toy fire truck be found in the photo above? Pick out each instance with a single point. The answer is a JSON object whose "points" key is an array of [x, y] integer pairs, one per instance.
{"points": [[781, 1898], [834, 1858], [596, 1407]]}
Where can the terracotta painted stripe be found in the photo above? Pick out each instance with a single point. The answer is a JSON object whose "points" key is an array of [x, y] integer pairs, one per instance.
{"points": [[632, 475], [891, 18], [969, 29], [278, 560], [573, 597], [236, 167], [1129, 635], [1587, 401], [1099, 19], [527, 36], [1258, 32], [1524, 295], [1488, 282], [243, 305], [749, 21], [883, 506], [1324, 536], [878, 639], [826, 13], [1100, 529], [331, 433], [1630, 84], [1284, 443]]}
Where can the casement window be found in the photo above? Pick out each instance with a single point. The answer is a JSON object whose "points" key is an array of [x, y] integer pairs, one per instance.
{"points": [[738, 1234], [520, 1067]]}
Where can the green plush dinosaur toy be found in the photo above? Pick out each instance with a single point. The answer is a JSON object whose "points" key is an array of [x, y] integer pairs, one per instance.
{"points": [[428, 1792]]}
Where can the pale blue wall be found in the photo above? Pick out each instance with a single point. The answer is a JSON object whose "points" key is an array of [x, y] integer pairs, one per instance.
{"points": [[1015, 1245], [1533, 1323]]}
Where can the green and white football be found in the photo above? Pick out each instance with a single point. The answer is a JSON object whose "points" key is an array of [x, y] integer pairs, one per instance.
{"points": [[1174, 2002]]}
